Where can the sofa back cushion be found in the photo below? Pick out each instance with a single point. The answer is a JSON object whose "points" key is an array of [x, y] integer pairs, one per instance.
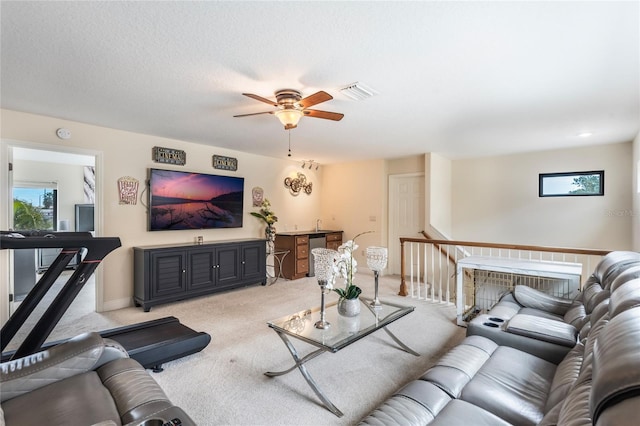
{"points": [[625, 297], [612, 264], [630, 273], [616, 364], [565, 376]]}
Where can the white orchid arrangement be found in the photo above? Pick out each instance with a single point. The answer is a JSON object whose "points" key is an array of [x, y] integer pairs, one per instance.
{"points": [[345, 266]]}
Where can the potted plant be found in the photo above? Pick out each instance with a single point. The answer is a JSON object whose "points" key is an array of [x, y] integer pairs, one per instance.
{"points": [[346, 267], [269, 217]]}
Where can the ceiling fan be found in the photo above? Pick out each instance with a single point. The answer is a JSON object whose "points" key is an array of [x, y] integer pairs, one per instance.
{"points": [[291, 107]]}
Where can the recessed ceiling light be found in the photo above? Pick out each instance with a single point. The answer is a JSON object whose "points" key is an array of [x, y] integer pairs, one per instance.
{"points": [[584, 134]]}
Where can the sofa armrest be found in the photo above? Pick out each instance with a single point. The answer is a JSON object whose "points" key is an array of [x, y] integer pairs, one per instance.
{"points": [[83, 353], [547, 330], [485, 325]]}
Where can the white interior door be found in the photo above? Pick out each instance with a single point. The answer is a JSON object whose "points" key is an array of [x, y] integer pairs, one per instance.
{"points": [[406, 213]]}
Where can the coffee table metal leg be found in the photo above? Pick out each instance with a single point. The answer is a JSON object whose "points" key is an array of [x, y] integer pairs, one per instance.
{"points": [[400, 343], [305, 373]]}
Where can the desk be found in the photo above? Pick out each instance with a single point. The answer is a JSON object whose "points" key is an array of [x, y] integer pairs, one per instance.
{"points": [[557, 278], [341, 333], [278, 257]]}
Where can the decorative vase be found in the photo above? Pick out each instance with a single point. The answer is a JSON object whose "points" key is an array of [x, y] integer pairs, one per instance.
{"points": [[349, 307], [270, 232], [349, 324], [323, 260], [376, 261]]}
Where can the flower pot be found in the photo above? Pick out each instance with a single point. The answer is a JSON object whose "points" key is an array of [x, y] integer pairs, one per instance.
{"points": [[270, 233], [349, 307], [349, 324]]}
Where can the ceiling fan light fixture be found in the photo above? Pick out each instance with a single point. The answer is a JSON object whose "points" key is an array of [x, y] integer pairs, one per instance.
{"points": [[289, 117]]}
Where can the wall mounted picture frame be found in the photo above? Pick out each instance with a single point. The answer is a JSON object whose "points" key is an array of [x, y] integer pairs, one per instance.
{"points": [[571, 184]]}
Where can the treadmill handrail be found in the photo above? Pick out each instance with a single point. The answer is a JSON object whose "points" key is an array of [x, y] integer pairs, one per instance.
{"points": [[97, 248]]}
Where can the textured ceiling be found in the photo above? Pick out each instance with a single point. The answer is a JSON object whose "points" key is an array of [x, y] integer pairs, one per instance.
{"points": [[462, 79]]}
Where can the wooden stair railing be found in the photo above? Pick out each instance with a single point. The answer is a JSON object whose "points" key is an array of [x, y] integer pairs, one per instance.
{"points": [[439, 242], [439, 247]]}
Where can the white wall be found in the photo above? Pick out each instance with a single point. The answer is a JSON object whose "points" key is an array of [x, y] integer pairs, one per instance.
{"points": [[635, 178], [440, 194], [496, 199], [493, 199], [124, 153], [354, 200]]}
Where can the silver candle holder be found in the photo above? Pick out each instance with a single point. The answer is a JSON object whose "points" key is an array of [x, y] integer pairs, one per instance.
{"points": [[376, 261], [323, 260]]}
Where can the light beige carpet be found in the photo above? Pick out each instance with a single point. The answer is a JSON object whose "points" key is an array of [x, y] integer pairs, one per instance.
{"points": [[225, 383]]}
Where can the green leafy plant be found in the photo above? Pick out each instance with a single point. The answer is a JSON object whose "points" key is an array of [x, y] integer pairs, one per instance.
{"points": [[265, 213], [27, 216]]}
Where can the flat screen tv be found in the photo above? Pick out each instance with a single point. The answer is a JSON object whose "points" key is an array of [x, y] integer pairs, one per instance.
{"points": [[186, 200]]}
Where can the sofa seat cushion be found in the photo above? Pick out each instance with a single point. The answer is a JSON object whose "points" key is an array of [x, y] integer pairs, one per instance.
{"points": [[418, 403], [458, 366], [457, 411], [513, 385], [78, 400]]}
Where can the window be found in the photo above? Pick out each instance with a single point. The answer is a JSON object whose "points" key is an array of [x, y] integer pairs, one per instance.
{"points": [[571, 184], [35, 206]]}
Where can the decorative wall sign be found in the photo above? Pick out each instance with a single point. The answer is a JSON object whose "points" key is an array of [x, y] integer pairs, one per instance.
{"points": [[258, 195], [169, 156], [225, 163], [128, 190], [298, 184]]}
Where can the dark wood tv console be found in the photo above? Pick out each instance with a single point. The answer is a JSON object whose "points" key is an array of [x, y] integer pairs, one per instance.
{"points": [[167, 273]]}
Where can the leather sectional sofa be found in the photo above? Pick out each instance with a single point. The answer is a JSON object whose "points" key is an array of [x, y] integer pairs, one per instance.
{"points": [[538, 360], [87, 380]]}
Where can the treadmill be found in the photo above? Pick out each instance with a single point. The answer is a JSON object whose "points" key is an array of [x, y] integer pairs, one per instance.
{"points": [[150, 343]]}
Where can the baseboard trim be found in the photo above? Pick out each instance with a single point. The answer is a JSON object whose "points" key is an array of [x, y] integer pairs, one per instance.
{"points": [[114, 305]]}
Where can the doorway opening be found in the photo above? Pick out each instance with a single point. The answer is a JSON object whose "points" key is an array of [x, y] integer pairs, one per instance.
{"points": [[55, 191]]}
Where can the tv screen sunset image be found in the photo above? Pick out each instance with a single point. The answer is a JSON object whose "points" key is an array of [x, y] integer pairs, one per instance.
{"points": [[185, 200]]}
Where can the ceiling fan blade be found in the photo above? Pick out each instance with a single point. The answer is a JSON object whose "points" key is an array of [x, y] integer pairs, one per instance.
{"points": [[315, 99], [255, 113], [261, 99], [335, 116]]}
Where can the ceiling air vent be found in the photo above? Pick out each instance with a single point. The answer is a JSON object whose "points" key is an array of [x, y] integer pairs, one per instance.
{"points": [[358, 91]]}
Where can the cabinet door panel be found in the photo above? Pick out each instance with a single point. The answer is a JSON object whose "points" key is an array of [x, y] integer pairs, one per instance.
{"points": [[253, 261], [202, 272], [227, 265], [168, 274]]}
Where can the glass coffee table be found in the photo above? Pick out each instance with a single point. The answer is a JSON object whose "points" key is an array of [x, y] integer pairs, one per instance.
{"points": [[342, 333]]}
